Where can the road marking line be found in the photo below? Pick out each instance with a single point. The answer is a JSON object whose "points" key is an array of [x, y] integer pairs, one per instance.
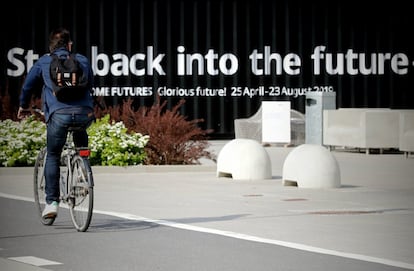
{"points": [[261, 240], [9, 196], [242, 236], [33, 260]]}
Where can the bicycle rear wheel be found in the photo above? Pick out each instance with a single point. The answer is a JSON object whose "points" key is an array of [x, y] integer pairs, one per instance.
{"points": [[39, 184], [81, 193]]}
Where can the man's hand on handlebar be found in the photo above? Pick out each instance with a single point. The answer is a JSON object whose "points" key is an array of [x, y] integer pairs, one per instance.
{"points": [[24, 112]]}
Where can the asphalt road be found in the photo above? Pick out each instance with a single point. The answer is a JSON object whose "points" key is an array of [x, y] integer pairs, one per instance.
{"points": [[114, 243]]}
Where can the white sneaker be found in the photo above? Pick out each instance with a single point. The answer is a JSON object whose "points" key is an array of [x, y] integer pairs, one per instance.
{"points": [[50, 210]]}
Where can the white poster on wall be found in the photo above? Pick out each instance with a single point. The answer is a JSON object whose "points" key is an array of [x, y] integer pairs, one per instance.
{"points": [[276, 122]]}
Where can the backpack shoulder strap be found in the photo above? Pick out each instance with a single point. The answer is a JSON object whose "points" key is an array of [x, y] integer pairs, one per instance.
{"points": [[73, 55], [54, 56], [54, 68]]}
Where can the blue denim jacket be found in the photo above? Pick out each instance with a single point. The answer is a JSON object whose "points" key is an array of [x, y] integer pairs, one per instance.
{"points": [[40, 74]]}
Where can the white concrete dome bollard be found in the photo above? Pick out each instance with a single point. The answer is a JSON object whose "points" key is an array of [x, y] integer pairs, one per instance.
{"points": [[244, 159], [311, 166]]}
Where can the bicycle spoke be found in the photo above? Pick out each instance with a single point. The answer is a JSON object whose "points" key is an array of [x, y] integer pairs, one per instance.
{"points": [[81, 176]]}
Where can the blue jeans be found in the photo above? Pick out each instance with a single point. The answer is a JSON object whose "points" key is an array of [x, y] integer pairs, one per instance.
{"points": [[57, 131]]}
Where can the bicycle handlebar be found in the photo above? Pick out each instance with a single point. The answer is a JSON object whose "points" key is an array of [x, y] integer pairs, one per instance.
{"points": [[37, 110], [33, 111]]}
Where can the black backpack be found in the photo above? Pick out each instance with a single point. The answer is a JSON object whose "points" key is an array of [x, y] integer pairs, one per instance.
{"points": [[68, 80]]}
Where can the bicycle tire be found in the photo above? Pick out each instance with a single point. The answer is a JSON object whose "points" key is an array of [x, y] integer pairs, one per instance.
{"points": [[81, 193], [39, 184]]}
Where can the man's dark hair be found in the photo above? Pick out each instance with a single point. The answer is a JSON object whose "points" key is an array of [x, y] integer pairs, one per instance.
{"points": [[59, 38]]}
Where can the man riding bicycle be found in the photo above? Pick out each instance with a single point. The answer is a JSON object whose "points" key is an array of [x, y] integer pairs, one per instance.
{"points": [[59, 115]]}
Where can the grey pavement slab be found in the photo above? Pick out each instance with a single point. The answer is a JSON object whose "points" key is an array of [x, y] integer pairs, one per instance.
{"points": [[371, 214]]}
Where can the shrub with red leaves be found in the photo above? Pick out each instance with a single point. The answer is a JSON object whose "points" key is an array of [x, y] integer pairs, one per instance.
{"points": [[173, 139]]}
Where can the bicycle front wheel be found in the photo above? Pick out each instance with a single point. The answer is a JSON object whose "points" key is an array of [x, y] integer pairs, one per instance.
{"points": [[39, 184], [81, 193]]}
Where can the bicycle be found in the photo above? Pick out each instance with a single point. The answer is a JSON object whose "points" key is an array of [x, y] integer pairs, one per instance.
{"points": [[76, 183]]}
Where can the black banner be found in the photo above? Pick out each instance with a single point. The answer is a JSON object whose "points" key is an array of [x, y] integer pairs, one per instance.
{"points": [[223, 57]]}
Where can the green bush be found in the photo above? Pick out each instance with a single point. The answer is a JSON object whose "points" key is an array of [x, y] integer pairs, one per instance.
{"points": [[110, 143], [21, 141]]}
